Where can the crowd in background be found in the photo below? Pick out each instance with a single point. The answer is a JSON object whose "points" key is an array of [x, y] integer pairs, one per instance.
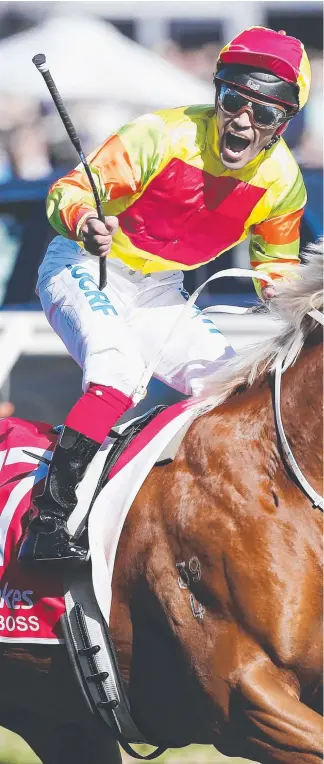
{"points": [[33, 141]]}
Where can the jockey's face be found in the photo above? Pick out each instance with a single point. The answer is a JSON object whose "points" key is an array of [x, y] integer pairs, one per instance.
{"points": [[240, 138]]}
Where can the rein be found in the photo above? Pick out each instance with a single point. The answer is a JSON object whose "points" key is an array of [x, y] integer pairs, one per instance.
{"points": [[141, 389], [316, 498], [140, 392]]}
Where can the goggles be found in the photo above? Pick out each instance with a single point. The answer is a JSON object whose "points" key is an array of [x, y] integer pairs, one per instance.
{"points": [[233, 102]]}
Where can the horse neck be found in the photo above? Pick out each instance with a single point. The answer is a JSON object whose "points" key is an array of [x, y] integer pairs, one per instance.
{"points": [[302, 405]]}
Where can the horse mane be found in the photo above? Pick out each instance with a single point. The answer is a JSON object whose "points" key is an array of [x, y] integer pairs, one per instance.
{"points": [[290, 306]]}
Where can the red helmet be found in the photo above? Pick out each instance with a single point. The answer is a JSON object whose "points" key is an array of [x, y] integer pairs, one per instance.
{"points": [[267, 63]]}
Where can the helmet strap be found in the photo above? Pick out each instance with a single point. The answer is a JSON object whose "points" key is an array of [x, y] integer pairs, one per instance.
{"points": [[282, 128], [272, 142], [275, 138]]}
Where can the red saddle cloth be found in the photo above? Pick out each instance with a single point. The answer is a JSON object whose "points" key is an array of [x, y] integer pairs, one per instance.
{"points": [[31, 601]]}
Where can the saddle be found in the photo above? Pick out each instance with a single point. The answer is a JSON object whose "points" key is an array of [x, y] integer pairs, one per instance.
{"points": [[123, 437]]}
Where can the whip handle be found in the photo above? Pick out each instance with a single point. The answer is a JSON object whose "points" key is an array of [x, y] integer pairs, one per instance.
{"points": [[40, 62]]}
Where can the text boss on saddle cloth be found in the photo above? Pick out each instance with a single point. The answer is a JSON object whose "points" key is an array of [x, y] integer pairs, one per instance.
{"points": [[227, 162]]}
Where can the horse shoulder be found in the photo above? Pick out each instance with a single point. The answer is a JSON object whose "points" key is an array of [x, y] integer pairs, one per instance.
{"points": [[261, 564]]}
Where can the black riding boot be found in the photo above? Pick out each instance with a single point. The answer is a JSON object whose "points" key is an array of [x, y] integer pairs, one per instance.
{"points": [[47, 536]]}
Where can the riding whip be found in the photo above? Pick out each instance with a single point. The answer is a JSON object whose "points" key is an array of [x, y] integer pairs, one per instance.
{"points": [[40, 62]]}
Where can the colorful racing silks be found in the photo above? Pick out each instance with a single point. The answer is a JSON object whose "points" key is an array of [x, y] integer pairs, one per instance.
{"points": [[178, 206]]}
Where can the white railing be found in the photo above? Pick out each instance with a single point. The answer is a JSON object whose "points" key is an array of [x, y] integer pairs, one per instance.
{"points": [[25, 333]]}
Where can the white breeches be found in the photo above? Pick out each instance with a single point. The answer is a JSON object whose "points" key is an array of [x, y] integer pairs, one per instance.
{"points": [[113, 334]]}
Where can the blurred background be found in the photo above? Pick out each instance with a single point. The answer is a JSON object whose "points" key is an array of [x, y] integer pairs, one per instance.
{"points": [[113, 61]]}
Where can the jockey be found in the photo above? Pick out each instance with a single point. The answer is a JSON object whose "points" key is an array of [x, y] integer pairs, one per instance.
{"points": [[179, 187]]}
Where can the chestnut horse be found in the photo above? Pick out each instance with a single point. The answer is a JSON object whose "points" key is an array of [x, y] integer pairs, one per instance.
{"points": [[217, 589]]}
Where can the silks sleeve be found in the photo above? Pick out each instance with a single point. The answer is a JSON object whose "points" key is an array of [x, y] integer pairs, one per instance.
{"points": [[274, 244], [120, 167]]}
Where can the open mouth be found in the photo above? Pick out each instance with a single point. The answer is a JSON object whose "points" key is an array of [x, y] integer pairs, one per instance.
{"points": [[235, 145]]}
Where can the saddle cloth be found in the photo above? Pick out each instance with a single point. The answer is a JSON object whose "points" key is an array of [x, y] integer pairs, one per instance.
{"points": [[32, 600]]}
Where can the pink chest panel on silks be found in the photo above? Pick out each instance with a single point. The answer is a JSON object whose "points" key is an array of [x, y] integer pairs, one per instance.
{"points": [[189, 216]]}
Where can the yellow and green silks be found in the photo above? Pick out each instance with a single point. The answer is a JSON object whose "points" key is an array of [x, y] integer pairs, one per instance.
{"points": [[178, 207]]}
